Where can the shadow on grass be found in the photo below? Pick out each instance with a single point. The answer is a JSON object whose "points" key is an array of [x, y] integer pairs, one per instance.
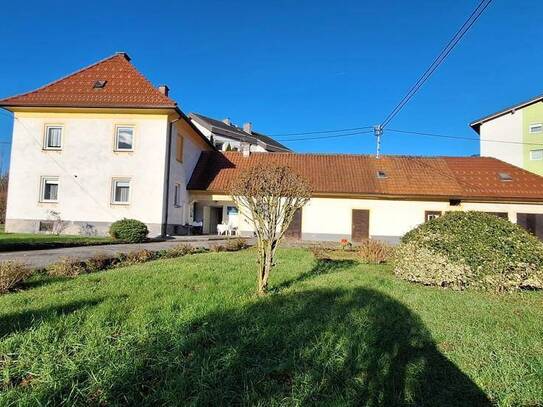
{"points": [[328, 347], [20, 321], [322, 266]]}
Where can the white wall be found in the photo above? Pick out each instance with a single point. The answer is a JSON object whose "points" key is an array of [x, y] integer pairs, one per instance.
{"points": [[225, 140], [181, 173], [85, 167], [503, 128], [331, 218]]}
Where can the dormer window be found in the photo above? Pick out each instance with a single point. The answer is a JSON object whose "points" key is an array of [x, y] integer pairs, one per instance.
{"points": [[505, 176], [99, 84], [381, 175]]}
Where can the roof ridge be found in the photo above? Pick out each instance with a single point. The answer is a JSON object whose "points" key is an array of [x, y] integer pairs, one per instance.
{"points": [[431, 157]]}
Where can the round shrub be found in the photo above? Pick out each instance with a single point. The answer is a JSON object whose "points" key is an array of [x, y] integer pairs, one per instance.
{"points": [[471, 249], [129, 230]]}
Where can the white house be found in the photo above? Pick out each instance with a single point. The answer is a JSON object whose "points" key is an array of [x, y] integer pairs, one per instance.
{"points": [[103, 144], [226, 136]]}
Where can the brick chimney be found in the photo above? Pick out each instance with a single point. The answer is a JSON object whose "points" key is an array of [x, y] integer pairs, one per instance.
{"points": [[164, 90], [227, 121], [248, 127]]}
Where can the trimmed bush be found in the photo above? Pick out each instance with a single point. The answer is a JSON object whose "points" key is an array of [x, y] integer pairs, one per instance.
{"points": [[129, 230], [177, 251], [67, 267], [375, 251], [100, 262], [138, 256], [473, 249], [12, 274], [234, 245]]}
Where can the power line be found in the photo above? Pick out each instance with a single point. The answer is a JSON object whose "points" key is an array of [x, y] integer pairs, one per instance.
{"points": [[418, 133], [474, 16], [318, 132], [329, 137]]}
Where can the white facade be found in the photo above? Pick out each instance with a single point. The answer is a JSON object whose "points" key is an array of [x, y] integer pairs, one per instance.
{"points": [[330, 218], [87, 164], [222, 142], [506, 128]]}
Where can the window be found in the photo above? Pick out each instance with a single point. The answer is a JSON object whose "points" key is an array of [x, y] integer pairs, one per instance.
{"points": [[381, 174], [177, 195], [53, 138], [121, 191], [124, 138], [49, 189], [536, 155], [219, 145], [45, 226], [231, 210], [505, 176], [429, 215], [536, 128], [179, 148]]}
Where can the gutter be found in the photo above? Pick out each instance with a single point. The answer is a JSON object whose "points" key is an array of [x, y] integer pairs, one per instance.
{"points": [[164, 226]]}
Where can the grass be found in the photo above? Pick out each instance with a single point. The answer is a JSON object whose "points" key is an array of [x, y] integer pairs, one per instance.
{"points": [[190, 331], [31, 241]]}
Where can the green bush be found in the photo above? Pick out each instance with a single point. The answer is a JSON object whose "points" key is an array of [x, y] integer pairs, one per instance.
{"points": [[129, 230], [12, 273], [473, 249]]}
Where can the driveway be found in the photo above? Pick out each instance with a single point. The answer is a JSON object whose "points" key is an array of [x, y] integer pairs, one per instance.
{"points": [[42, 258]]}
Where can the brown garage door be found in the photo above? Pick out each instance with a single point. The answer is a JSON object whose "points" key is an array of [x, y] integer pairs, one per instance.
{"points": [[361, 225], [294, 230], [532, 222]]}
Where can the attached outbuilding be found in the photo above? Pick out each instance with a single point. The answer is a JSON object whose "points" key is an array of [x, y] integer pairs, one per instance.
{"points": [[360, 196]]}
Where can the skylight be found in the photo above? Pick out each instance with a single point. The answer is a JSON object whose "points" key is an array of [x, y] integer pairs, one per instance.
{"points": [[99, 84], [505, 176], [381, 174]]}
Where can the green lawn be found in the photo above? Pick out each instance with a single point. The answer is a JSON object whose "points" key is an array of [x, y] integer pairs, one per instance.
{"points": [[30, 241], [191, 331]]}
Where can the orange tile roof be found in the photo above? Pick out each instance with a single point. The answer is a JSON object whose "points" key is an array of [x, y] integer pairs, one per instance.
{"points": [[416, 177], [125, 87]]}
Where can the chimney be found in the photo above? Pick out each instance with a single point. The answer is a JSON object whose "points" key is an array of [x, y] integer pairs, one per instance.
{"points": [[248, 127], [245, 148], [164, 90], [227, 121]]}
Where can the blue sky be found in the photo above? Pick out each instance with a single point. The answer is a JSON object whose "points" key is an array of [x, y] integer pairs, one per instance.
{"points": [[293, 66]]}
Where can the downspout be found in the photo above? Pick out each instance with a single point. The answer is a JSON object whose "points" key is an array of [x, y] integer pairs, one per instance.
{"points": [[168, 170]]}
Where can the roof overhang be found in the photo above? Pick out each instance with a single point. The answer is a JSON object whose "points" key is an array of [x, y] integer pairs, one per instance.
{"points": [[476, 124]]}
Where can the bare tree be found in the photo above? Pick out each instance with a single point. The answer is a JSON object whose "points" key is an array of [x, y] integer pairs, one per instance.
{"points": [[269, 197]]}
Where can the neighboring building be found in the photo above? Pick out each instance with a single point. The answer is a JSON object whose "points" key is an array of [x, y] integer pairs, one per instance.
{"points": [[100, 145], [226, 136], [514, 135], [357, 197], [104, 144]]}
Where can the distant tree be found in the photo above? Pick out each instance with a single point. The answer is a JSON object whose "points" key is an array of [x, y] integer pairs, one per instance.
{"points": [[228, 147], [269, 197]]}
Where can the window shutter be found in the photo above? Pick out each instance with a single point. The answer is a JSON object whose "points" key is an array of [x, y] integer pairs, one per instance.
{"points": [[179, 148]]}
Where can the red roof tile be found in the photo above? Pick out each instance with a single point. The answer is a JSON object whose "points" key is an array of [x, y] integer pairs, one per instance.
{"points": [[438, 177], [125, 87]]}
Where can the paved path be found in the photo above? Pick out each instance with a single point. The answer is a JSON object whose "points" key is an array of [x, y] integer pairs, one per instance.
{"points": [[42, 258]]}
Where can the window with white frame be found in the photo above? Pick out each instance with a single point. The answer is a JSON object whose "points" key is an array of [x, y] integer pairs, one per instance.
{"points": [[124, 138], [49, 189], [536, 155], [53, 138], [177, 195], [120, 191], [536, 128]]}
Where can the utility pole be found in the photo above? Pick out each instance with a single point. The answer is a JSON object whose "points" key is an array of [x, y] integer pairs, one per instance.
{"points": [[378, 132]]}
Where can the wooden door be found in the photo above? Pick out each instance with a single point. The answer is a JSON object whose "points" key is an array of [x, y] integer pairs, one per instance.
{"points": [[360, 225], [294, 230]]}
